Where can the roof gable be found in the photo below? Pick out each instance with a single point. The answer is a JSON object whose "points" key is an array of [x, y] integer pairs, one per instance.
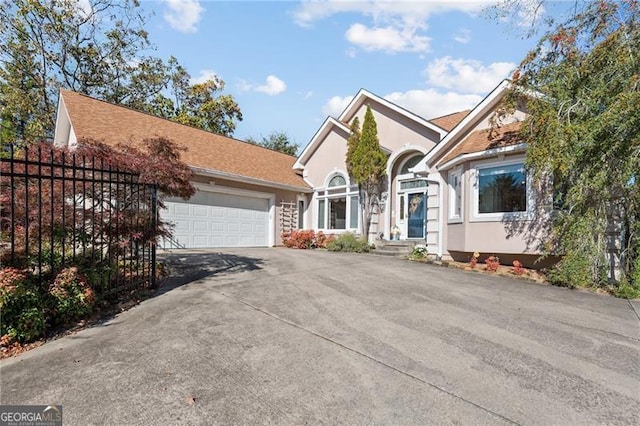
{"points": [[483, 140], [463, 127], [206, 151], [327, 126], [341, 123], [363, 95]]}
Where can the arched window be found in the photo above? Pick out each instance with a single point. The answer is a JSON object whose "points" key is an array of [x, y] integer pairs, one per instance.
{"points": [[337, 180], [411, 162], [338, 205]]}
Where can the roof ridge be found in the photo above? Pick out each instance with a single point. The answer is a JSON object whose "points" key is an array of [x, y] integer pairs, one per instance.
{"points": [[170, 121]]}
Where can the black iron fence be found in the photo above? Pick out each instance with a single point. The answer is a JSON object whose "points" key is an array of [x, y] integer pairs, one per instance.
{"points": [[59, 209]]}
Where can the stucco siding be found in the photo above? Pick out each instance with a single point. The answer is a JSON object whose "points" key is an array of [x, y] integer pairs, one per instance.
{"points": [[328, 158], [396, 131], [491, 235]]}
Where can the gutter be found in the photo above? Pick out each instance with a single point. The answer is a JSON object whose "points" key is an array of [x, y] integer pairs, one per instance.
{"points": [[246, 179], [482, 154]]}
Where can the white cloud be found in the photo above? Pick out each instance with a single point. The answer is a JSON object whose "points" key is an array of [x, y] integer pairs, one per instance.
{"points": [[382, 10], [306, 95], [84, 8], [430, 103], [204, 75], [183, 15], [336, 105], [463, 36], [395, 26], [273, 86], [244, 86], [467, 75], [388, 39]]}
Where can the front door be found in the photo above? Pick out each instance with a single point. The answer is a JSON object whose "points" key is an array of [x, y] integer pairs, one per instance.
{"points": [[416, 212]]}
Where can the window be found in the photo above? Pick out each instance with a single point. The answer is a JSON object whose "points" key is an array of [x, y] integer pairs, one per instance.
{"points": [[353, 217], [455, 196], [337, 180], [321, 213], [338, 205], [502, 189], [410, 163], [300, 214], [337, 213]]}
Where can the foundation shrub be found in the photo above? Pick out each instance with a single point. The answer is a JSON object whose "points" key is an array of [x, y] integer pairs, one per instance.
{"points": [[419, 252], [492, 263], [349, 243], [73, 297], [306, 239], [22, 305], [518, 269]]}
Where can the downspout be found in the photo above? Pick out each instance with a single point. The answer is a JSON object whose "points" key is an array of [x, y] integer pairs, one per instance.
{"points": [[387, 209], [440, 216]]}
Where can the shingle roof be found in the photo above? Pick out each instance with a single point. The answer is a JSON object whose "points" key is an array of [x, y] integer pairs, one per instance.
{"points": [[113, 124], [482, 140], [449, 121]]}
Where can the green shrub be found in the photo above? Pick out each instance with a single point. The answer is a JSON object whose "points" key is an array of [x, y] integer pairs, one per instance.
{"points": [[349, 242], [73, 296], [22, 307], [419, 252], [630, 288], [627, 290], [572, 271]]}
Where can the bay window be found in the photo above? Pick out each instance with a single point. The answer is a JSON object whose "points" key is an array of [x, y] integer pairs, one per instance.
{"points": [[501, 189]]}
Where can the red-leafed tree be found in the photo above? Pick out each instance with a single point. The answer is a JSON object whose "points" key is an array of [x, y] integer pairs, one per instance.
{"points": [[69, 199]]}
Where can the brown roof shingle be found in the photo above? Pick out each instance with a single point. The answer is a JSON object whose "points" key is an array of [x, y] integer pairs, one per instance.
{"points": [[449, 121], [482, 140], [113, 124]]}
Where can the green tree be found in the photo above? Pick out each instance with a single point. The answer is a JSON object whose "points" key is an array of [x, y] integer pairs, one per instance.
{"points": [[366, 164], [98, 50], [583, 90], [277, 141]]}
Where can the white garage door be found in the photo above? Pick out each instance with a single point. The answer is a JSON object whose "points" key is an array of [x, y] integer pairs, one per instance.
{"points": [[211, 219]]}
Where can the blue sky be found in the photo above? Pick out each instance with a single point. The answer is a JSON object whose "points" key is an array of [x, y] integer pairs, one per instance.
{"points": [[290, 64]]}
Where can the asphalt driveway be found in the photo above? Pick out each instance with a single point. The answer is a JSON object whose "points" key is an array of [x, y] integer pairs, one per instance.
{"points": [[281, 336]]}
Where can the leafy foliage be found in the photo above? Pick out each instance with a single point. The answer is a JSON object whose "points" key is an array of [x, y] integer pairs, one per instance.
{"points": [[122, 224], [349, 242], [492, 263], [277, 141], [419, 252], [22, 306], [305, 239], [583, 87], [518, 268], [99, 49], [366, 164], [73, 295]]}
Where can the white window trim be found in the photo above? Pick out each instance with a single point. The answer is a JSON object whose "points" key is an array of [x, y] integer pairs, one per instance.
{"points": [[474, 193], [330, 193], [302, 214], [453, 217]]}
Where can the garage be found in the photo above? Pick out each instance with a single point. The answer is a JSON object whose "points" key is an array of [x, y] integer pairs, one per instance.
{"points": [[218, 219]]}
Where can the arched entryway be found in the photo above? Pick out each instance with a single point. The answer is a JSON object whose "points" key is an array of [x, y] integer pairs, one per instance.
{"points": [[407, 206]]}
